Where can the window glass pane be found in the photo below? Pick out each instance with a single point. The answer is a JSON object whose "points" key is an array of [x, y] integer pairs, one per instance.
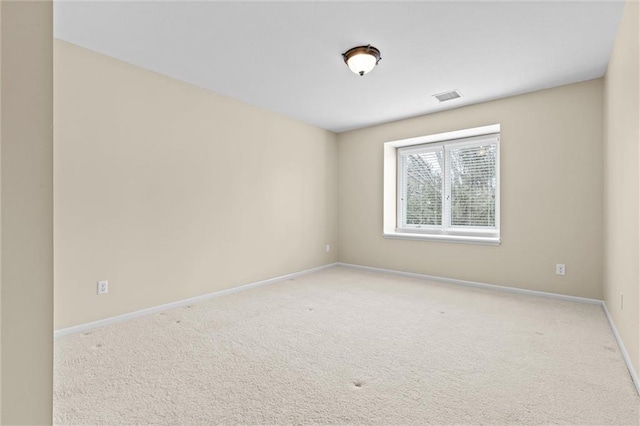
{"points": [[424, 188], [473, 185]]}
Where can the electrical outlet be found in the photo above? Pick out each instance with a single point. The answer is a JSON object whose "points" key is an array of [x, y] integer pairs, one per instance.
{"points": [[103, 287], [327, 248], [621, 301], [560, 269]]}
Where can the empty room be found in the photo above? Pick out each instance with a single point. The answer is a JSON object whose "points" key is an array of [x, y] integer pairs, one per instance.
{"points": [[320, 212]]}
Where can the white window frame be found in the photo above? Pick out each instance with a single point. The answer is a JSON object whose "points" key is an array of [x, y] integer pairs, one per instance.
{"points": [[393, 208]]}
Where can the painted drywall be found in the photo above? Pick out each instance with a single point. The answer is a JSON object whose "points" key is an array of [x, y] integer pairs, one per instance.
{"points": [[169, 191], [551, 194], [26, 242], [622, 185]]}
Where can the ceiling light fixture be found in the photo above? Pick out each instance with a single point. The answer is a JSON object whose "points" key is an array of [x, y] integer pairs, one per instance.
{"points": [[362, 59]]}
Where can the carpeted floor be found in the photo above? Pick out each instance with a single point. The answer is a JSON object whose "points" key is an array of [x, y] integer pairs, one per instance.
{"points": [[350, 346]]}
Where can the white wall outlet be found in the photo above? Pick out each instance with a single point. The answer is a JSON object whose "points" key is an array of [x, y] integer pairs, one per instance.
{"points": [[560, 269], [103, 287], [327, 248]]}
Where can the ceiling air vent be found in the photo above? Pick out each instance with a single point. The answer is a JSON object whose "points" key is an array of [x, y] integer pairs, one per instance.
{"points": [[447, 96]]}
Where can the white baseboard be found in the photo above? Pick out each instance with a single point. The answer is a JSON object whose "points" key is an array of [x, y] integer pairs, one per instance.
{"points": [[623, 350], [148, 311], [476, 284]]}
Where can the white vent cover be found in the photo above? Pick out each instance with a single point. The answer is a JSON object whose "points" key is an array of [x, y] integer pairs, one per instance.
{"points": [[447, 96]]}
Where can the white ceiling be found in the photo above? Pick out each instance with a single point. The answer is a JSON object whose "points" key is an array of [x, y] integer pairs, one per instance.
{"points": [[286, 56]]}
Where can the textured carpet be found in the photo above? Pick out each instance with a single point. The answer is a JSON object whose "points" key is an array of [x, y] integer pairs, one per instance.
{"points": [[349, 346]]}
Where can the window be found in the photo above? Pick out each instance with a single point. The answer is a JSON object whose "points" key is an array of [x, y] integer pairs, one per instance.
{"points": [[447, 187]]}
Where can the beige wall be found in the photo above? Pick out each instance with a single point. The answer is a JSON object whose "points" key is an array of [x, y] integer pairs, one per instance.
{"points": [[551, 194], [170, 191], [26, 243], [622, 185]]}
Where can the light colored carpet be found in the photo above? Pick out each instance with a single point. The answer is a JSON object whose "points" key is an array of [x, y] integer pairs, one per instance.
{"points": [[349, 346]]}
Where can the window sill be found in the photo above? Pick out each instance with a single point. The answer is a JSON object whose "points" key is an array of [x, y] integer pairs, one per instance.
{"points": [[492, 241]]}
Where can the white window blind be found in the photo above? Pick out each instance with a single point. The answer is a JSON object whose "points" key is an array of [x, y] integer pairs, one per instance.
{"points": [[423, 188], [450, 187]]}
